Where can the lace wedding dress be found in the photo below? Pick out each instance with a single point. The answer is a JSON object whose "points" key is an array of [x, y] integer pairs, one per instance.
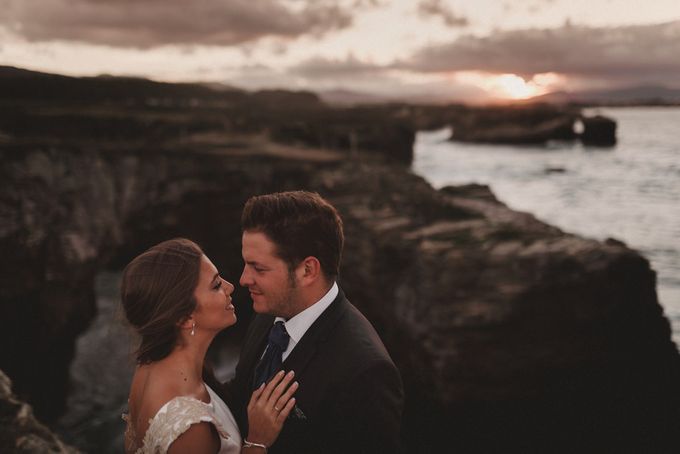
{"points": [[176, 416]]}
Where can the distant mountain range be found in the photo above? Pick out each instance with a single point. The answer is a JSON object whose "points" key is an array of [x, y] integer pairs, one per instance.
{"points": [[23, 83], [349, 97], [346, 97], [636, 95], [641, 94]]}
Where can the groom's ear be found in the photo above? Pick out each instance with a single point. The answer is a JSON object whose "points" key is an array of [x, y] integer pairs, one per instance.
{"points": [[309, 270]]}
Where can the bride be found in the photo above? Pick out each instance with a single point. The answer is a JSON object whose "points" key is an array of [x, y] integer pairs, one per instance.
{"points": [[177, 302]]}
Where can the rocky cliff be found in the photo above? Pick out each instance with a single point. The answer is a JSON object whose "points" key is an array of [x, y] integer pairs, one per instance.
{"points": [[510, 334], [20, 431]]}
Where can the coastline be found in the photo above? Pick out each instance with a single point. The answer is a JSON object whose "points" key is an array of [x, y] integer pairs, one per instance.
{"points": [[635, 200], [487, 311]]}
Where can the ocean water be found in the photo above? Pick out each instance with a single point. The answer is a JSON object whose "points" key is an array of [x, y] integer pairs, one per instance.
{"points": [[101, 373], [630, 192]]}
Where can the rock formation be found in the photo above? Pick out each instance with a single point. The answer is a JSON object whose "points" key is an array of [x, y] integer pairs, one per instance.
{"points": [[518, 124], [510, 334], [20, 432], [598, 131], [560, 128]]}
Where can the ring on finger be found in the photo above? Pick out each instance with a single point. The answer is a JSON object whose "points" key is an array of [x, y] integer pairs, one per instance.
{"points": [[276, 408]]}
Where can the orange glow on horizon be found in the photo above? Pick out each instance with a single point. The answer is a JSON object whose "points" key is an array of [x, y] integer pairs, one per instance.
{"points": [[512, 86]]}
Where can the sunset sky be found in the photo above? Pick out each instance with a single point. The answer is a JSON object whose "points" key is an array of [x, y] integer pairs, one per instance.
{"points": [[448, 49]]}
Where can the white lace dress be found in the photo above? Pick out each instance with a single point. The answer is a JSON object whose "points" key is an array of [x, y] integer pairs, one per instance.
{"points": [[177, 415]]}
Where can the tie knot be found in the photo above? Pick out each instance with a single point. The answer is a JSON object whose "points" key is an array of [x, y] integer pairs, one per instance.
{"points": [[279, 336]]}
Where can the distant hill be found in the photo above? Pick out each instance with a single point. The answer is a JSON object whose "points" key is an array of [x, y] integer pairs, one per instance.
{"points": [[343, 97], [11, 71], [17, 83], [635, 95]]}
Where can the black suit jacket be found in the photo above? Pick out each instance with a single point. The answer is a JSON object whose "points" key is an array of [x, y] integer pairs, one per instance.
{"points": [[350, 397]]}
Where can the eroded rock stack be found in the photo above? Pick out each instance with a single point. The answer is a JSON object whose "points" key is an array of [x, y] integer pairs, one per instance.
{"points": [[599, 131]]}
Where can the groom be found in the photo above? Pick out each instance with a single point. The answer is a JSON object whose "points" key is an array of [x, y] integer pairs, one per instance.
{"points": [[350, 396]]}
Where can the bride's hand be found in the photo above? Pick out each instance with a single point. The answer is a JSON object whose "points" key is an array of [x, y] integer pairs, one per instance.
{"points": [[269, 407]]}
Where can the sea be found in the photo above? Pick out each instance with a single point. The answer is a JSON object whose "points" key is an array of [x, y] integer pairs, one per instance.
{"points": [[630, 192]]}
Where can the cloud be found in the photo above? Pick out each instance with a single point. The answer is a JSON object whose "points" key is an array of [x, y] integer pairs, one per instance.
{"points": [[435, 8], [324, 68], [152, 23], [353, 74], [326, 73], [628, 53]]}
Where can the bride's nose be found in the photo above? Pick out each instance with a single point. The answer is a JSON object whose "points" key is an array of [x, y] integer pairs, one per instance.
{"points": [[228, 287]]}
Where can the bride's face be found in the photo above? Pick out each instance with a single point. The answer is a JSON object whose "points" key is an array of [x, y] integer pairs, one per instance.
{"points": [[214, 310]]}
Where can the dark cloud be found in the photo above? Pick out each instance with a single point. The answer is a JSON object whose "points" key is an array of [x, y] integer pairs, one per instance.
{"points": [[150, 23], [648, 52], [429, 8]]}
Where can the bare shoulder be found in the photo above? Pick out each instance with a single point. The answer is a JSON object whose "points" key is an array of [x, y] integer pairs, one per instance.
{"points": [[152, 388], [199, 438]]}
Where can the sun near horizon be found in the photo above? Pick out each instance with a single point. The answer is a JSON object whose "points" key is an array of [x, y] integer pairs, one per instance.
{"points": [[509, 86]]}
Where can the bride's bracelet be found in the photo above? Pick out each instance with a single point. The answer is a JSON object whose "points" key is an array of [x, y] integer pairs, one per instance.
{"points": [[249, 444]]}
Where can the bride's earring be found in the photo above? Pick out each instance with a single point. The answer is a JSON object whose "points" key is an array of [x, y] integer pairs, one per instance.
{"points": [[193, 328]]}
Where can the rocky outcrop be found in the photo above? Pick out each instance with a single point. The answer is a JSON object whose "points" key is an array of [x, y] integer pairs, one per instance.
{"points": [[514, 124], [599, 131], [561, 128], [141, 111], [20, 431], [510, 334], [69, 211], [488, 313]]}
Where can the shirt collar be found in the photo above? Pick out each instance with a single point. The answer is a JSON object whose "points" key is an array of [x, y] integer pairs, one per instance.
{"points": [[297, 326]]}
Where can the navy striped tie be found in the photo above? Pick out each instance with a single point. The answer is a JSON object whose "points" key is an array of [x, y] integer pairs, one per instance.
{"points": [[271, 361]]}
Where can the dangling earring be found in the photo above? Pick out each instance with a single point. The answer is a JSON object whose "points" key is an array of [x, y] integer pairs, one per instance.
{"points": [[193, 328]]}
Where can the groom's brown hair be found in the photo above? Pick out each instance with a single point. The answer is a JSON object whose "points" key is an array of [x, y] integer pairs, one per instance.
{"points": [[300, 224]]}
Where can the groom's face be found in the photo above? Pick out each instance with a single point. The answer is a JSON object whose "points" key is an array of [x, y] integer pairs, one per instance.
{"points": [[272, 287]]}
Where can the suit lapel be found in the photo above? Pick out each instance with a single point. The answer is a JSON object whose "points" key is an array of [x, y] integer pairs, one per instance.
{"points": [[317, 333]]}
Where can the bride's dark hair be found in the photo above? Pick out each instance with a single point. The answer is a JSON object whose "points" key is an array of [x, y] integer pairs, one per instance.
{"points": [[157, 293]]}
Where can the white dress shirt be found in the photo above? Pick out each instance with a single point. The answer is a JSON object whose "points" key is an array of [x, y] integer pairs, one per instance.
{"points": [[297, 326]]}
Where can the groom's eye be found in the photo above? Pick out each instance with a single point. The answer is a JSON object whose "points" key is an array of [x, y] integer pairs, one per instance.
{"points": [[218, 285]]}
